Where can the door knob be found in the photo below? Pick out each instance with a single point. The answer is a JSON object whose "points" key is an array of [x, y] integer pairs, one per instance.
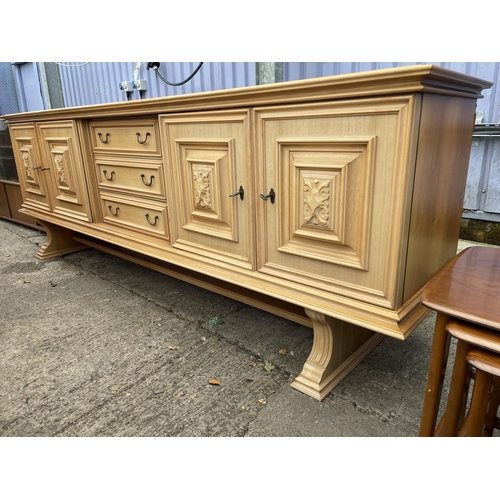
{"points": [[240, 192], [271, 196]]}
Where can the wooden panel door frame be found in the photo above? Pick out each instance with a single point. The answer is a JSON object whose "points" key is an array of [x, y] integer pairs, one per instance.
{"points": [[208, 161], [377, 253]]}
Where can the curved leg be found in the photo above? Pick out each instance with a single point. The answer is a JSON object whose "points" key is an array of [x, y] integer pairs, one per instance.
{"points": [[337, 348], [59, 242]]}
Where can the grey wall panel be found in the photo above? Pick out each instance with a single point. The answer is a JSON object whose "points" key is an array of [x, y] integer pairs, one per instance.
{"points": [[483, 183], [484, 70], [98, 82], [490, 192], [28, 82], [8, 96], [475, 175]]}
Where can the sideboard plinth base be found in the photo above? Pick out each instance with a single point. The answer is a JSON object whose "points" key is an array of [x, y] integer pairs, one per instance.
{"points": [[337, 348], [59, 241]]}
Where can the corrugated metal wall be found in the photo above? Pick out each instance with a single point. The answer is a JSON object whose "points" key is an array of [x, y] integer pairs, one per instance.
{"points": [[98, 82], [483, 183]]}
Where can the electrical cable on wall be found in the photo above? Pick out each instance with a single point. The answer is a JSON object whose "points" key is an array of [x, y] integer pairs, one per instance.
{"points": [[156, 65]]}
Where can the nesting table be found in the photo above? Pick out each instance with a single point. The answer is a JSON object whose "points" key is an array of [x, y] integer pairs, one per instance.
{"points": [[467, 289]]}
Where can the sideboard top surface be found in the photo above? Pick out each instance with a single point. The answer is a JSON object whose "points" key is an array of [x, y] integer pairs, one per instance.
{"points": [[401, 80]]}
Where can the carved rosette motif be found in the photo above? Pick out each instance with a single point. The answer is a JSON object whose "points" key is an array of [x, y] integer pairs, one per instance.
{"points": [[316, 202], [27, 166], [202, 197], [61, 176]]}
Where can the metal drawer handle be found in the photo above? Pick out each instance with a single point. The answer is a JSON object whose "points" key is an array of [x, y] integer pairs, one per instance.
{"points": [[152, 223], [103, 141], [111, 176], [150, 180], [240, 192], [139, 140], [41, 168], [115, 213], [271, 196]]}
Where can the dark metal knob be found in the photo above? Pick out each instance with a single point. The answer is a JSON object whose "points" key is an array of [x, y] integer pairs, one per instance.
{"points": [[240, 192], [271, 196]]}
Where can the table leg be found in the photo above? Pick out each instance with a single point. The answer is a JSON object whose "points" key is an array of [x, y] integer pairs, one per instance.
{"points": [[493, 408], [435, 377], [474, 422], [457, 397]]}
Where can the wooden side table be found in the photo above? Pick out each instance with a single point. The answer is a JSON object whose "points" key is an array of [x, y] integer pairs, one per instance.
{"points": [[466, 288]]}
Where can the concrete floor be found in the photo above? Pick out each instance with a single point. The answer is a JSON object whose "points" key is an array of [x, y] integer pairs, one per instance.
{"points": [[93, 345]]}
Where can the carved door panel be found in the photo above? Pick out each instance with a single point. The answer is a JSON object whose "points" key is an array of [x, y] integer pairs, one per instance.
{"points": [[209, 183], [61, 157], [31, 176], [341, 175]]}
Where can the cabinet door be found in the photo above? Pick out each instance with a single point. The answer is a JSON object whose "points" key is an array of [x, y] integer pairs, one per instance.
{"points": [[31, 177], [61, 157], [209, 184], [342, 178]]}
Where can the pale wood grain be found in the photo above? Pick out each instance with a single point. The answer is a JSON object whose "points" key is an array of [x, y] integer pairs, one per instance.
{"points": [[349, 159]]}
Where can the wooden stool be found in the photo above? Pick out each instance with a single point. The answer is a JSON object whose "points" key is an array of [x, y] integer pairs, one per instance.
{"points": [[487, 367], [467, 288], [473, 343], [492, 421]]}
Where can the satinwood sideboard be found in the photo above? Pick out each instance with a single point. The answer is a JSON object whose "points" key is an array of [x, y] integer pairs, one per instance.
{"points": [[329, 201]]}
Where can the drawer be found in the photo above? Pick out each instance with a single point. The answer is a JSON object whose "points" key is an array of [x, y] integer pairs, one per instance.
{"points": [[135, 215], [133, 137], [131, 176]]}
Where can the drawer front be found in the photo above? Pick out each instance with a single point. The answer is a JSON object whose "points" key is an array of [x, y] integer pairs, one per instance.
{"points": [[136, 216], [133, 137], [129, 176]]}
